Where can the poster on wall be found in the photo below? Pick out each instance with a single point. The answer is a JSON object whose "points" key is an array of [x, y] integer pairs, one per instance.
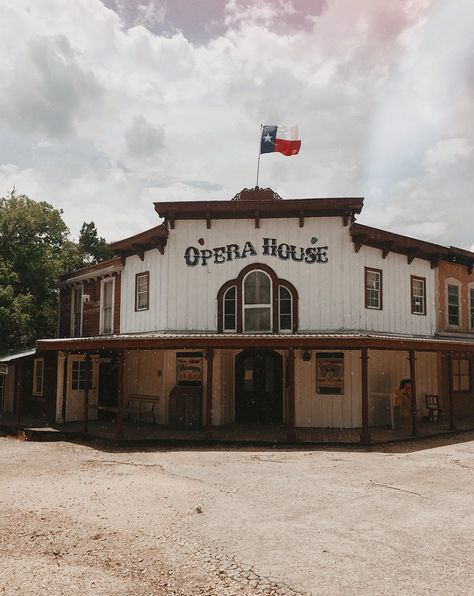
{"points": [[330, 373], [188, 369]]}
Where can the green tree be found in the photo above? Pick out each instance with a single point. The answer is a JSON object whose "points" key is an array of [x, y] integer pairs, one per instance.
{"points": [[93, 247], [34, 252]]}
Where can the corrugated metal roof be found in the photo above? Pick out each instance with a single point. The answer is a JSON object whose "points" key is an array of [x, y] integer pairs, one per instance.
{"points": [[17, 355], [272, 336]]}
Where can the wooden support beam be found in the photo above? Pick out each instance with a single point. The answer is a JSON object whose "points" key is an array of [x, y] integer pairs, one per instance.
{"points": [[86, 391], [120, 368], [257, 219], [18, 389], [358, 240], [387, 247], [414, 409], [301, 219], [208, 220], [364, 358], [435, 261], [171, 221], [346, 218], [411, 255], [209, 382], [140, 250], [291, 414], [452, 405]]}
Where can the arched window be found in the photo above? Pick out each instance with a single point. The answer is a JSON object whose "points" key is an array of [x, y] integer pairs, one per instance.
{"points": [[230, 309], [257, 301], [285, 302]]}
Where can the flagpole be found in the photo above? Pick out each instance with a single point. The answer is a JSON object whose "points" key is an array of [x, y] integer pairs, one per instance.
{"points": [[259, 153]]}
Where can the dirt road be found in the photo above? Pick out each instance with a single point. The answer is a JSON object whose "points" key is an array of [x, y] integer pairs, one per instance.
{"points": [[74, 520]]}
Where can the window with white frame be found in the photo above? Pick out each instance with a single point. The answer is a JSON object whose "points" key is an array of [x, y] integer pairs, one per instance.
{"points": [[471, 309], [230, 310], [418, 295], [38, 376], [453, 305], [373, 288], [76, 311], [286, 309], [107, 306], [257, 303], [142, 291]]}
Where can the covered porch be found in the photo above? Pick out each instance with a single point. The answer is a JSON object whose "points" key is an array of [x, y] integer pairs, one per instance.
{"points": [[363, 412]]}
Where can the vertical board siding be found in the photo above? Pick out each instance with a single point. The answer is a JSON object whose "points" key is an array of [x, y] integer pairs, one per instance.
{"points": [[331, 295], [336, 411]]}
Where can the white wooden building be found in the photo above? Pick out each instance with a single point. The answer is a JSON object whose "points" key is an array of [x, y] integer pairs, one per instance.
{"points": [[264, 312]]}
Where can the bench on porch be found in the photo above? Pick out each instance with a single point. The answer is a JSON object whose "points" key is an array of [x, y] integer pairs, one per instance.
{"points": [[139, 406], [433, 407]]}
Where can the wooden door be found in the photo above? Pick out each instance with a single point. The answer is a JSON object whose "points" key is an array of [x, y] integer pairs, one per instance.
{"points": [[258, 387]]}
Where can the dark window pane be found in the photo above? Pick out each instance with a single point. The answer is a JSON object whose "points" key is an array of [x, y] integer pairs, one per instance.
{"points": [[257, 319], [257, 288]]}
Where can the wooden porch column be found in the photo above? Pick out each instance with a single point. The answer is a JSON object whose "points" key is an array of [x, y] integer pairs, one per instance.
{"points": [[209, 381], [364, 358], [18, 388], [414, 418], [86, 392], [452, 405], [291, 436], [120, 367]]}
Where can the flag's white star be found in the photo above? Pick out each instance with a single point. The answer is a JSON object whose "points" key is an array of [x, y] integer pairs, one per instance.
{"points": [[267, 138]]}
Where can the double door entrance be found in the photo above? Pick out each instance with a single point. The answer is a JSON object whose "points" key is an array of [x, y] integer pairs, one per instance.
{"points": [[259, 387]]}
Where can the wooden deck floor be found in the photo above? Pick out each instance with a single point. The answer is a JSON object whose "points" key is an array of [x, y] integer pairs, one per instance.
{"points": [[233, 433]]}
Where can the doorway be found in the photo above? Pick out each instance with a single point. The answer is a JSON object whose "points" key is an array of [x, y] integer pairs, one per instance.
{"points": [[259, 387]]}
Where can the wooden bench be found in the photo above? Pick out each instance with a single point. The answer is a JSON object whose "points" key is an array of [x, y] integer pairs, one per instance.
{"points": [[139, 405], [433, 407]]}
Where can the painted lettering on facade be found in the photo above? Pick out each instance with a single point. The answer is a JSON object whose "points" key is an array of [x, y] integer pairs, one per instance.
{"points": [[271, 247]]}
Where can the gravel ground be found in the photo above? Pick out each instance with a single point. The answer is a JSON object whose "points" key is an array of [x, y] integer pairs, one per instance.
{"points": [[75, 520]]}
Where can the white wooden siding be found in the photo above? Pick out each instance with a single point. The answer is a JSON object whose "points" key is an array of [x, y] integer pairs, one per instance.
{"points": [[331, 295]]}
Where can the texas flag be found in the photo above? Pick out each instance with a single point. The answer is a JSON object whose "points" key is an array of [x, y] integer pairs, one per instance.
{"points": [[284, 139]]}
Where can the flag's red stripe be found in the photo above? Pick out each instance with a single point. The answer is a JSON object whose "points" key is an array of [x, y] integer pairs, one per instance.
{"points": [[287, 147]]}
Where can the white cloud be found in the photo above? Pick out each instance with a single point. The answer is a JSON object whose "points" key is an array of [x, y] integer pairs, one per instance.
{"points": [[447, 152], [102, 118]]}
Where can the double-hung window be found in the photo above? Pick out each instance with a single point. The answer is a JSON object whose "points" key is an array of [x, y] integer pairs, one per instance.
{"points": [[453, 305], [257, 302], [107, 306], [142, 291], [471, 309], [38, 377], [461, 374], [373, 288], [418, 295], [76, 311]]}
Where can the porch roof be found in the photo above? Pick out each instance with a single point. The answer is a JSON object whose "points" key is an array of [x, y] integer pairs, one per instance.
{"points": [[321, 340]]}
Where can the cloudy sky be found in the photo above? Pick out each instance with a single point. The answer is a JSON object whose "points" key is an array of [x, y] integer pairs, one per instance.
{"points": [[107, 106]]}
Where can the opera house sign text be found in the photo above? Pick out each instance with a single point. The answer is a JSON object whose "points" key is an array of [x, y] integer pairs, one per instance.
{"points": [[270, 247]]}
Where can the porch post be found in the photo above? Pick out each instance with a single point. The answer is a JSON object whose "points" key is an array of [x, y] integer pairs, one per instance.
{"points": [[18, 371], [414, 419], [120, 367], [209, 381], [452, 406], [86, 392], [291, 436], [364, 357]]}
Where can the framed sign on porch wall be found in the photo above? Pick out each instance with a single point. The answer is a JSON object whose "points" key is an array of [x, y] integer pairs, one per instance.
{"points": [[330, 373], [189, 369]]}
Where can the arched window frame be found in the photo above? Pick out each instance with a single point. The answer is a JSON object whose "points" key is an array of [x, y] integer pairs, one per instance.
{"points": [[276, 283]]}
